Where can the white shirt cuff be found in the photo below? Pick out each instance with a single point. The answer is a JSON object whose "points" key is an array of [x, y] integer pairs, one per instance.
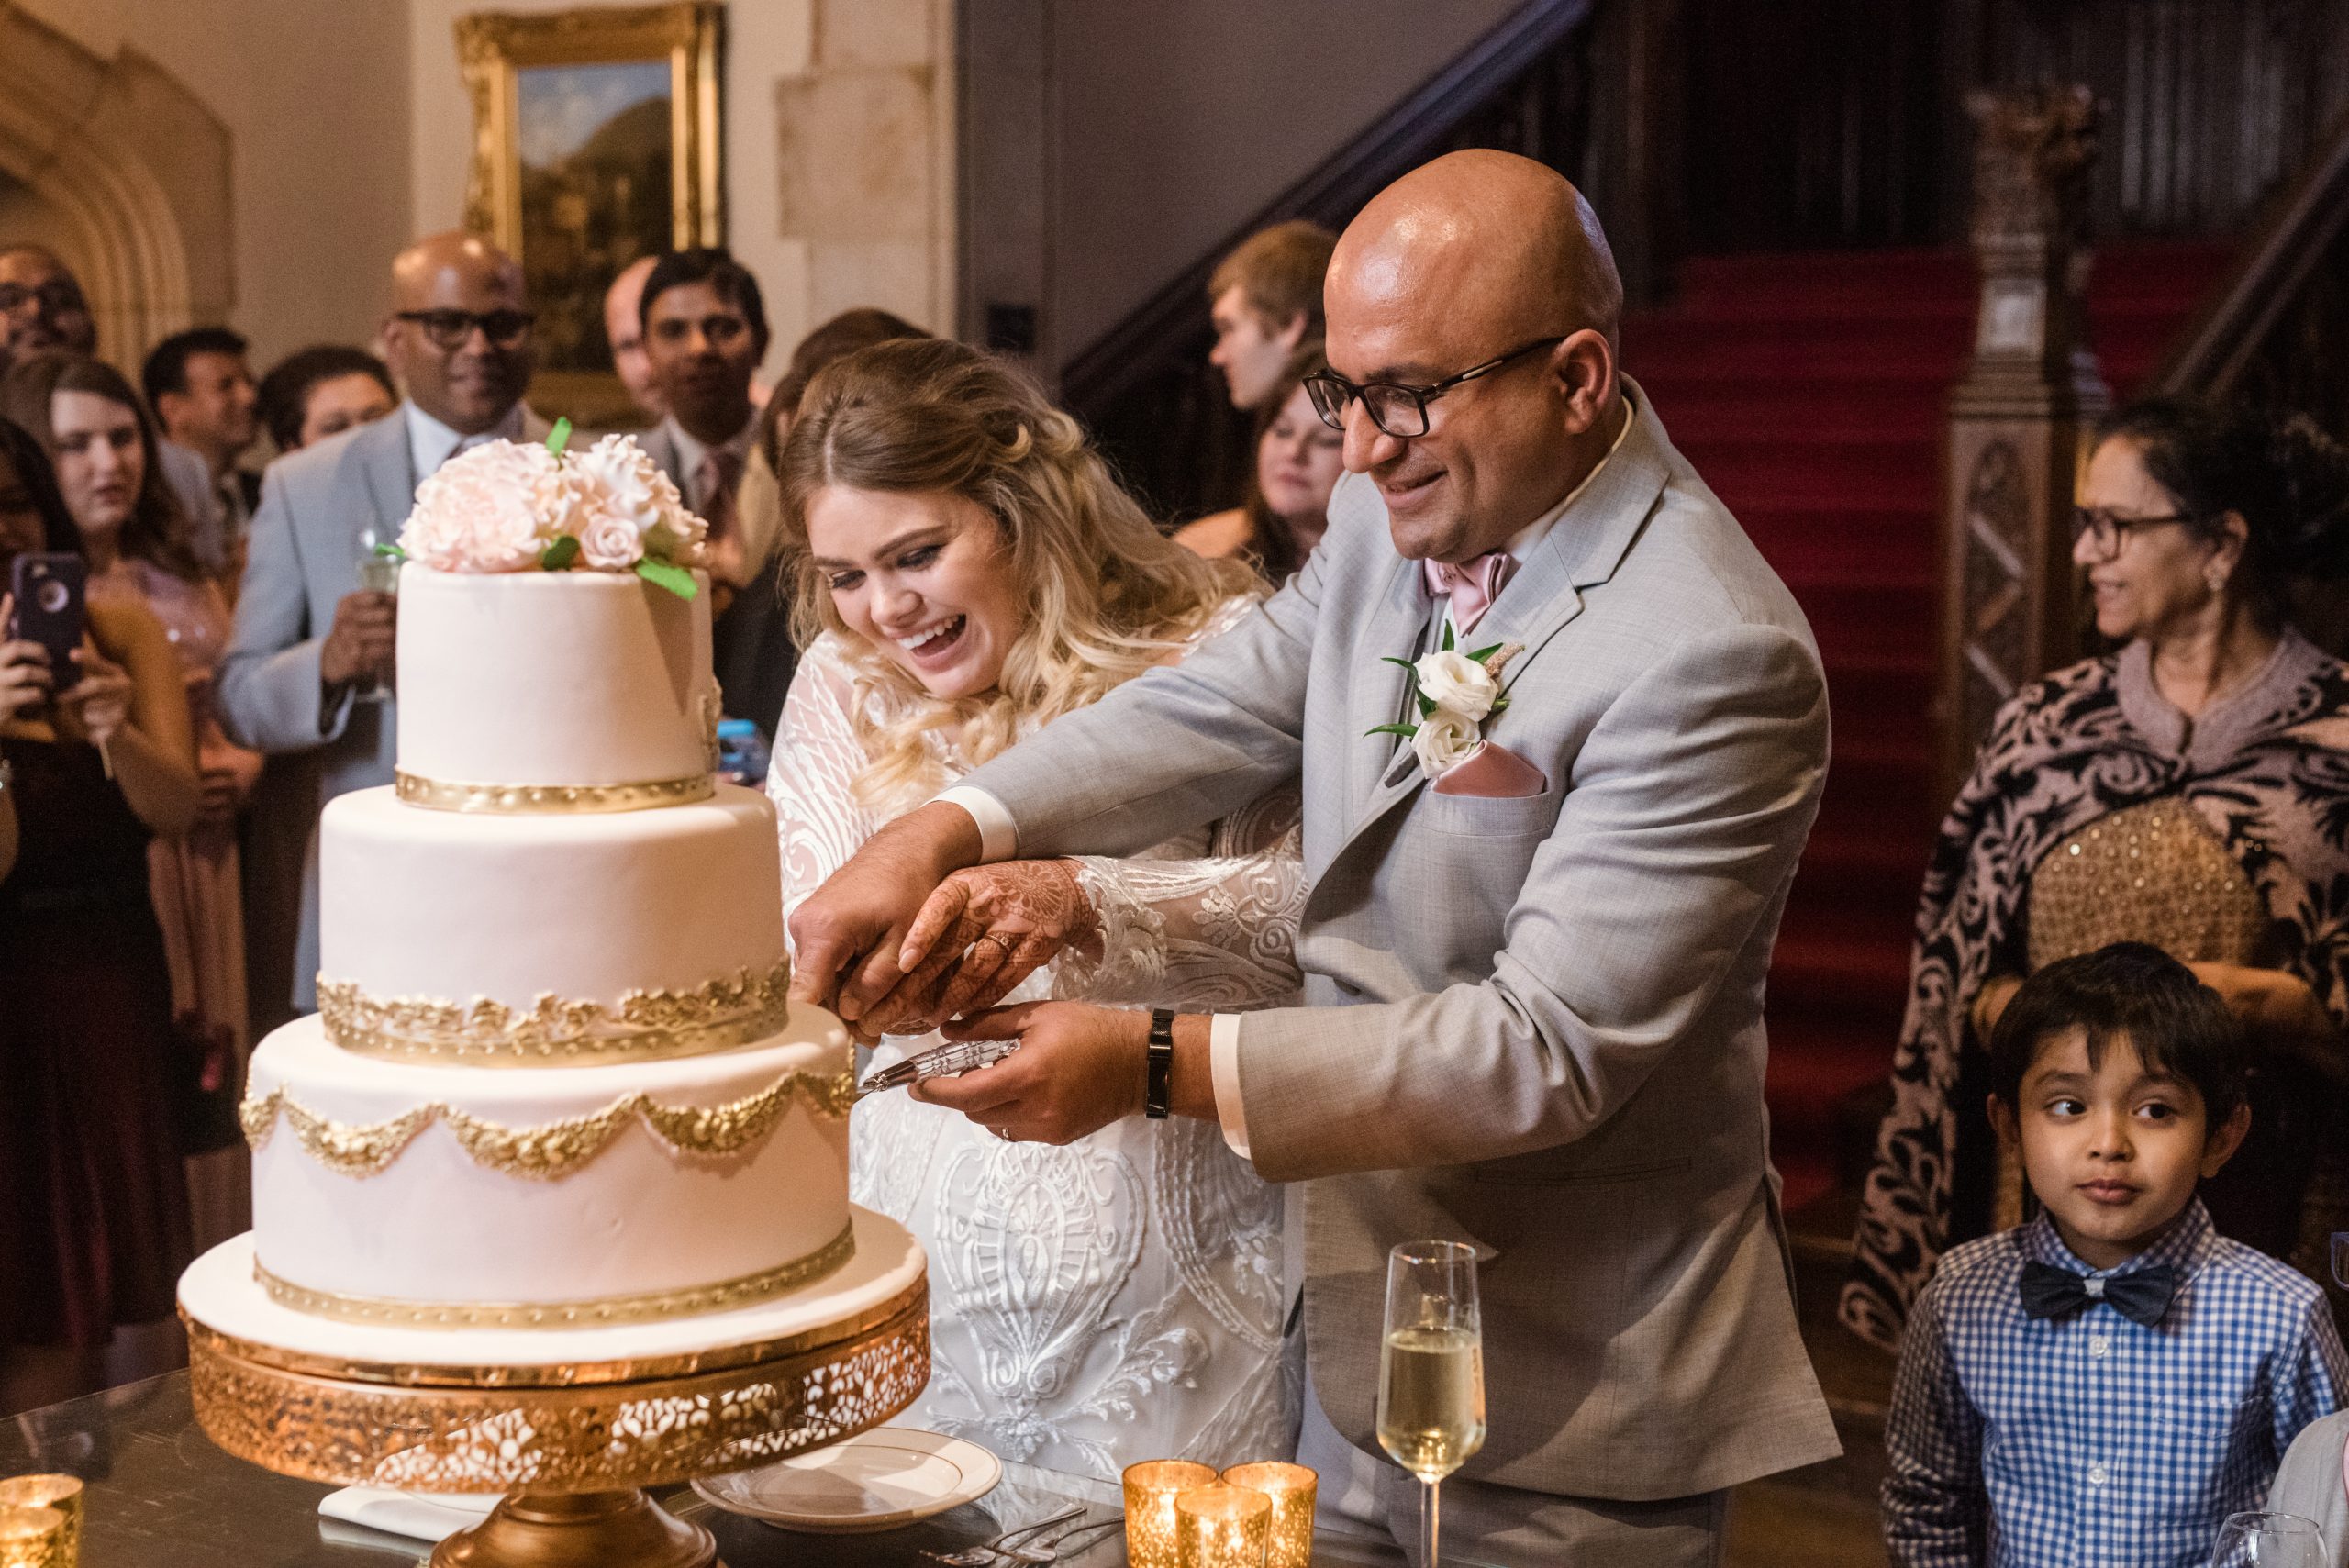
{"points": [[1223, 1074], [998, 835]]}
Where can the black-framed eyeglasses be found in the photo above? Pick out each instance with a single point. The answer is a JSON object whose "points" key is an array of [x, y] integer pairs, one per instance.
{"points": [[2110, 530], [54, 299], [1399, 410], [449, 329]]}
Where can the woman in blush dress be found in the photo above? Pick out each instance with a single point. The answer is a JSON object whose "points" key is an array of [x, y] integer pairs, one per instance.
{"points": [[966, 571], [135, 538]]}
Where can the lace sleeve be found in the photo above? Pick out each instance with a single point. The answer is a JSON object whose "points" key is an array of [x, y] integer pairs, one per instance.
{"points": [[1217, 933], [816, 759]]}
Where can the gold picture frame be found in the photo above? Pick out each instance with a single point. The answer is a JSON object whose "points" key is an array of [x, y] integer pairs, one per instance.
{"points": [[596, 139]]}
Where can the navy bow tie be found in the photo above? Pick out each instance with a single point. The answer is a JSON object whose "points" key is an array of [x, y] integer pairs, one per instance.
{"points": [[2141, 1297]]}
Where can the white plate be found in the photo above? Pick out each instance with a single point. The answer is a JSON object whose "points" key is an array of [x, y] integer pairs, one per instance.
{"points": [[874, 1481]]}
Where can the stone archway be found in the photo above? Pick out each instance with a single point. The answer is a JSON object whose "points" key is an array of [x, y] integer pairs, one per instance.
{"points": [[129, 172]]}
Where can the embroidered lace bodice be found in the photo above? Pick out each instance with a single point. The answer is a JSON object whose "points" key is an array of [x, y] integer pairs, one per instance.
{"points": [[1121, 1298]]}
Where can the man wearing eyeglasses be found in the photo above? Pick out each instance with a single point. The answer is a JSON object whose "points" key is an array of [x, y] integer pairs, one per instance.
{"points": [[310, 666], [1533, 945]]}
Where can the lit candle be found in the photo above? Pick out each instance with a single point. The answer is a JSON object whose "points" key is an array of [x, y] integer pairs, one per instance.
{"points": [[1151, 1491], [1221, 1526], [62, 1493], [33, 1537], [1291, 1487]]}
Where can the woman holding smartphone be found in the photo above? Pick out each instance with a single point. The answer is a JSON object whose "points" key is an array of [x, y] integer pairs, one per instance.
{"points": [[93, 1214]]}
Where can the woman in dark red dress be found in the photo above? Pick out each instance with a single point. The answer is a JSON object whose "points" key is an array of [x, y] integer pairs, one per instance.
{"points": [[94, 1223]]}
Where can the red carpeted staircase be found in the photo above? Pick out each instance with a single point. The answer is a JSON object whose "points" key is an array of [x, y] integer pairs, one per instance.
{"points": [[1808, 390]]}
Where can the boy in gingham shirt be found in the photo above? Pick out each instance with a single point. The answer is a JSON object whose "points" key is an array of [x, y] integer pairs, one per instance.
{"points": [[2107, 1384]]}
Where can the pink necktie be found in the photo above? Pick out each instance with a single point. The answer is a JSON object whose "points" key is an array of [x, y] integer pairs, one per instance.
{"points": [[1472, 585]]}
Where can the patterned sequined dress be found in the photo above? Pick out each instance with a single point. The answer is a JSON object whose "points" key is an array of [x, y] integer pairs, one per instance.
{"points": [[1119, 1299]]}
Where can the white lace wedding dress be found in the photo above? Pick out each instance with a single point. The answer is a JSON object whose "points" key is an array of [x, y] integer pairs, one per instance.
{"points": [[1119, 1299]]}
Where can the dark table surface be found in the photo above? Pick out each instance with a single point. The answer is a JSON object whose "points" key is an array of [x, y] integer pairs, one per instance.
{"points": [[161, 1495]]}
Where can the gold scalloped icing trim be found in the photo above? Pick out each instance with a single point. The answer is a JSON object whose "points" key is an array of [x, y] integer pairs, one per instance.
{"points": [[644, 1307], [549, 800], [555, 1150], [553, 1031]]}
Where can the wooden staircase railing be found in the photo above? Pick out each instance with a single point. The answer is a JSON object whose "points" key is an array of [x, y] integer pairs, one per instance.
{"points": [[1144, 387]]}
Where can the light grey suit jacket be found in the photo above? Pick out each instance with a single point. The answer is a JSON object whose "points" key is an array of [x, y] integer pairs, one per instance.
{"points": [[1553, 1043], [302, 558]]}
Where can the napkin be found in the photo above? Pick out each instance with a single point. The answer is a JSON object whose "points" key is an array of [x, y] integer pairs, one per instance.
{"points": [[410, 1514]]}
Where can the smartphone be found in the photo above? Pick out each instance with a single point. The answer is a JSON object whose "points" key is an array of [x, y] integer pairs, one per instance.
{"points": [[50, 610]]}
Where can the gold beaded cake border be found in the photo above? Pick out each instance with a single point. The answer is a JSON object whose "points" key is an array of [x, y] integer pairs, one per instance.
{"points": [[551, 1151], [495, 1430], [555, 1031], [549, 800], [605, 1312]]}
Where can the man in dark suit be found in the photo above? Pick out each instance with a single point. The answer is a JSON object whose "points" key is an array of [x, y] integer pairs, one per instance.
{"points": [[704, 333], [310, 665]]}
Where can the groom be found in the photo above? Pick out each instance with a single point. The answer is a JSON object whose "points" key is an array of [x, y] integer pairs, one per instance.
{"points": [[1535, 982]]}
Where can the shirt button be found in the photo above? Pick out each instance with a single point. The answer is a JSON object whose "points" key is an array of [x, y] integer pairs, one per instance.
{"points": [[2099, 1347], [2095, 1474]]}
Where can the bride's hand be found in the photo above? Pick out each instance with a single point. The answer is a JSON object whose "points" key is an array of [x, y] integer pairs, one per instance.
{"points": [[984, 931]]}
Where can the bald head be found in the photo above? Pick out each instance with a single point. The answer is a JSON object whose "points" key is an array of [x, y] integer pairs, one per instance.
{"points": [[1506, 243], [1476, 258], [458, 339], [624, 330]]}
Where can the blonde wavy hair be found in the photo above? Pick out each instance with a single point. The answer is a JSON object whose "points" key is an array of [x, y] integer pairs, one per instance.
{"points": [[1106, 595]]}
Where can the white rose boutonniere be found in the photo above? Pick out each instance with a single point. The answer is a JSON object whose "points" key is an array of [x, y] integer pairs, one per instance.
{"points": [[1456, 693]]}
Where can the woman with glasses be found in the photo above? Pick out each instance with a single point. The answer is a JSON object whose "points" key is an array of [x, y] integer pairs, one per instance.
{"points": [[2186, 791]]}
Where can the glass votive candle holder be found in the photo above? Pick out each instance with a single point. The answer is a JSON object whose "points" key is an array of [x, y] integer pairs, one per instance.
{"points": [[62, 1493], [1291, 1487], [1150, 1490], [33, 1537], [1221, 1526]]}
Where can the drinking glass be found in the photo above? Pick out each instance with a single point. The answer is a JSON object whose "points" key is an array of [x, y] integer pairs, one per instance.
{"points": [[377, 574], [1432, 1370], [2269, 1541]]}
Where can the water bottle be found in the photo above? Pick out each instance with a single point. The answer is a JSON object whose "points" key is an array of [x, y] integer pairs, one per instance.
{"points": [[742, 753]]}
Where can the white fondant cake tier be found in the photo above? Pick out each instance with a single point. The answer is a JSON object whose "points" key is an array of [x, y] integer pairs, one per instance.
{"points": [[219, 1292], [448, 907], [462, 1212], [583, 678]]}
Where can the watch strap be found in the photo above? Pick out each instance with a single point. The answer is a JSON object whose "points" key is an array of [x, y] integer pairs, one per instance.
{"points": [[1158, 1087]]}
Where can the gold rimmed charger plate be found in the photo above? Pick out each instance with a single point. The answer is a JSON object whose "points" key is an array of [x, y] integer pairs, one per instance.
{"points": [[879, 1480]]}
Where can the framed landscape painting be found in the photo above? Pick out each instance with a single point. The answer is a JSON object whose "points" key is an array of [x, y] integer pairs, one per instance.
{"points": [[596, 142]]}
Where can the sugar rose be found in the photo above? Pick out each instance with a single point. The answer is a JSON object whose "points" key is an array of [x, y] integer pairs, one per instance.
{"points": [[493, 508], [630, 509]]}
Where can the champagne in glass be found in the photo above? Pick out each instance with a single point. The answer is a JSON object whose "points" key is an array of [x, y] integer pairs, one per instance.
{"points": [[1432, 1370], [2269, 1541], [377, 574]]}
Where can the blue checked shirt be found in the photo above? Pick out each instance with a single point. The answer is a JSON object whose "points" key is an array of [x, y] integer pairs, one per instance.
{"points": [[2088, 1440]]}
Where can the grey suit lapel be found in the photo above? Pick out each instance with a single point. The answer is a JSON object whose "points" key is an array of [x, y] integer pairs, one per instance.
{"points": [[1582, 549], [1376, 692]]}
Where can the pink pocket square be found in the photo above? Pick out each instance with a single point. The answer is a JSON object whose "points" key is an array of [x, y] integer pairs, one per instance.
{"points": [[1492, 772]]}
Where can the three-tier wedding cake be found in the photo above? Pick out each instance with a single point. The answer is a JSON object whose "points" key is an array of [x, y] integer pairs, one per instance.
{"points": [[554, 1081]]}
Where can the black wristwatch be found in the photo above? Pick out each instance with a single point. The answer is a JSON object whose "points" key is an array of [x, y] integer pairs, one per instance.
{"points": [[1158, 1089]]}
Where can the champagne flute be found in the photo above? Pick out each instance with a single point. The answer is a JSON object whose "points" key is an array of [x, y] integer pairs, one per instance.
{"points": [[2269, 1541], [1432, 1370], [377, 574]]}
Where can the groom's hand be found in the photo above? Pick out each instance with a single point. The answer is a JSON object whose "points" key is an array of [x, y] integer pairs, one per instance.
{"points": [[1078, 1069], [846, 937]]}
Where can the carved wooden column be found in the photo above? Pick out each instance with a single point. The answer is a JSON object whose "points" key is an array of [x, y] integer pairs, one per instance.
{"points": [[2021, 414]]}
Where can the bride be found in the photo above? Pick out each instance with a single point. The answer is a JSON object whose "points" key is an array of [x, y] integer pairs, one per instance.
{"points": [[967, 570]]}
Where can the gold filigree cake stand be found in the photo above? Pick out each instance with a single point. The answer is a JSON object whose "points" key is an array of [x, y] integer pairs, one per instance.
{"points": [[572, 1446]]}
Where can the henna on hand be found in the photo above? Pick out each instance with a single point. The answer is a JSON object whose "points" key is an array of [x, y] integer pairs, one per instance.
{"points": [[984, 930]]}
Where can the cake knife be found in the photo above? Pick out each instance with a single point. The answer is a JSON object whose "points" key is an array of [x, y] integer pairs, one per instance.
{"points": [[938, 1061]]}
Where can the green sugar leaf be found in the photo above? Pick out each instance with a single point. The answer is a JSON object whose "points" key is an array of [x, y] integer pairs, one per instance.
{"points": [[390, 551], [557, 556], [676, 579], [559, 437]]}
